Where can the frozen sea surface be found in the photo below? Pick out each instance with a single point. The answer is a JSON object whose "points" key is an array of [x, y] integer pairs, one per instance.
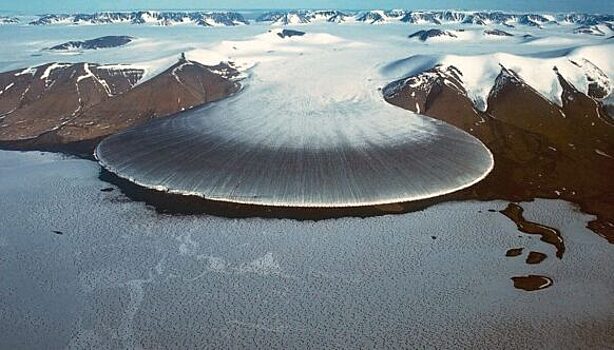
{"points": [[122, 276]]}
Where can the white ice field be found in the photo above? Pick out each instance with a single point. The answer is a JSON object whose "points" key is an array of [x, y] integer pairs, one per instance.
{"points": [[122, 276]]}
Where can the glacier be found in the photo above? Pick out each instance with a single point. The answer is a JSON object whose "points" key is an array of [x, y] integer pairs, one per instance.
{"points": [[298, 137]]}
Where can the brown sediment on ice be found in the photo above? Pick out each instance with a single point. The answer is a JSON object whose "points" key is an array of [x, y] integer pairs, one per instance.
{"points": [[541, 150], [535, 258], [514, 252], [532, 282], [548, 234], [71, 107]]}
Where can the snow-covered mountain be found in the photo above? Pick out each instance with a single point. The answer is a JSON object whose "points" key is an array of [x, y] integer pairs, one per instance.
{"points": [[586, 69], [480, 18], [8, 20], [434, 17], [379, 16], [303, 16], [462, 35], [424, 35], [584, 19], [293, 17], [597, 30], [206, 19]]}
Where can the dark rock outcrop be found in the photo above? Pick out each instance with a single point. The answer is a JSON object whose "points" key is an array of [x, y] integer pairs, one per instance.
{"points": [[288, 33], [54, 105], [94, 44], [540, 149], [591, 30], [497, 32], [9, 20], [424, 35]]}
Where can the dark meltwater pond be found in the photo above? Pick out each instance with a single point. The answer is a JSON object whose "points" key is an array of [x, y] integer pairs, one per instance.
{"points": [[532, 283], [548, 234]]}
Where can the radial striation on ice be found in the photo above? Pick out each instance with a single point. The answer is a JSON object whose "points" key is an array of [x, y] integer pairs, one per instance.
{"points": [[300, 136]]}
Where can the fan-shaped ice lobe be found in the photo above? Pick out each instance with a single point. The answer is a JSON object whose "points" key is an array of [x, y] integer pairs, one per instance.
{"points": [[309, 129]]}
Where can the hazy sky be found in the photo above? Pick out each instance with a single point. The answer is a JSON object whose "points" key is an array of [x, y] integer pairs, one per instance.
{"points": [[42, 6]]}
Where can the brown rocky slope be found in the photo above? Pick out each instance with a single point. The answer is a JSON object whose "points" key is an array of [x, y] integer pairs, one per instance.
{"points": [[540, 149], [70, 107]]}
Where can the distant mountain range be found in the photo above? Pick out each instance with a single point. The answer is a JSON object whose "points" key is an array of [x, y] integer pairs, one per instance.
{"points": [[208, 18], [434, 17], [8, 20]]}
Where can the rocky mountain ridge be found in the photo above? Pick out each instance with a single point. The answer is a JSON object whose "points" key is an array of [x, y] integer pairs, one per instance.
{"points": [[165, 18], [57, 104], [221, 18], [541, 149], [434, 17]]}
